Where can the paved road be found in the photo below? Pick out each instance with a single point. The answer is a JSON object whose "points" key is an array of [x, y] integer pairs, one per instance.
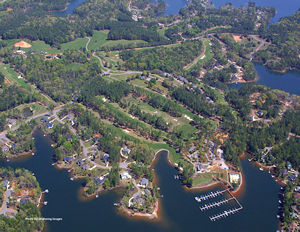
{"points": [[4, 210]]}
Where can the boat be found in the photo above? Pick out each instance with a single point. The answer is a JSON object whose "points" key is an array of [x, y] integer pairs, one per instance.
{"points": [[32, 153], [261, 169], [45, 202], [71, 178], [97, 195]]}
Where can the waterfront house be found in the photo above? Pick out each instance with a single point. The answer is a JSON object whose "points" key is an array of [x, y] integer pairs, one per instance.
{"points": [[125, 176], [6, 184], [99, 180], [68, 159], [144, 182], [234, 177], [147, 193], [138, 200], [5, 148], [292, 177]]}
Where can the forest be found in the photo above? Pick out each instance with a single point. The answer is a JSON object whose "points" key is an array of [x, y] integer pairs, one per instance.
{"points": [[283, 53], [59, 78], [12, 96], [168, 59]]}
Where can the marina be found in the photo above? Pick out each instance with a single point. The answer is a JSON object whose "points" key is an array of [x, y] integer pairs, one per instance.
{"points": [[210, 195], [211, 205]]}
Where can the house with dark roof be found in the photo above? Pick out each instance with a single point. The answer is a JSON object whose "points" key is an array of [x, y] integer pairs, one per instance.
{"points": [[126, 150], [105, 158], [80, 162], [138, 200], [284, 172], [260, 113], [99, 180], [45, 119], [144, 182], [292, 177], [14, 146], [68, 159], [24, 200]]}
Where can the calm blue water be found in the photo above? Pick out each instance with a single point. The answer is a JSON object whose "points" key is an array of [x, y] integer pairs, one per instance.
{"points": [[173, 6], [70, 8], [180, 212], [288, 82], [283, 7]]}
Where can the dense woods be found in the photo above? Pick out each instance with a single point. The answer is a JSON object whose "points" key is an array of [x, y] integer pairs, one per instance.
{"points": [[12, 96], [283, 53], [59, 78], [168, 59]]}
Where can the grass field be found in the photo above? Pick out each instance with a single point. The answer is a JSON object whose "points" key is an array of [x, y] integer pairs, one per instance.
{"points": [[37, 46], [98, 39], [207, 178], [12, 76], [76, 44]]}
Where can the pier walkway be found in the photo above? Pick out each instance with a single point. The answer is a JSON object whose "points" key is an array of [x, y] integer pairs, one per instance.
{"points": [[211, 205]]}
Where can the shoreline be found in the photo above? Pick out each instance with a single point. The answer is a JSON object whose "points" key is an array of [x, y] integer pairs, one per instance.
{"points": [[154, 216], [243, 81]]}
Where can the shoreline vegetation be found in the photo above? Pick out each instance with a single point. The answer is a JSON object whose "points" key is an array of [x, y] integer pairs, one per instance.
{"points": [[127, 81]]}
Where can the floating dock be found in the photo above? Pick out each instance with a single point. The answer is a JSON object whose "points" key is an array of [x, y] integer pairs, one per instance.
{"points": [[210, 195], [211, 205], [225, 213]]}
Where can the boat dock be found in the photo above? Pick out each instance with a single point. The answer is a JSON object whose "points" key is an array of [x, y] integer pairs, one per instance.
{"points": [[210, 195], [211, 205], [214, 204], [225, 213]]}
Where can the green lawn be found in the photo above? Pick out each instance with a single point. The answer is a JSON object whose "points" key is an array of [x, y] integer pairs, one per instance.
{"points": [[38, 46], [12, 76], [203, 178], [206, 178], [98, 39], [76, 44]]}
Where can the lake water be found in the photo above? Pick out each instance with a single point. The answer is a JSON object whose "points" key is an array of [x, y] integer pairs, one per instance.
{"points": [[288, 82], [283, 7], [70, 8], [180, 212]]}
